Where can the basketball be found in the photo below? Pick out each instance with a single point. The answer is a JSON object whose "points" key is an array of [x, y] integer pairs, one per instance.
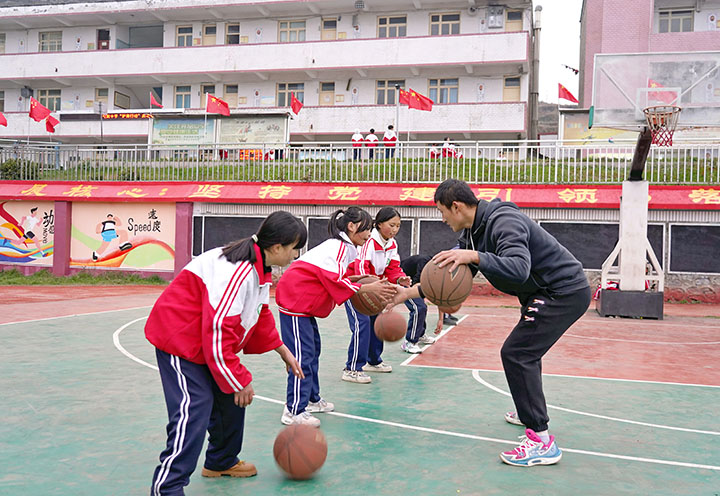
{"points": [[390, 326], [444, 288], [300, 451], [368, 303]]}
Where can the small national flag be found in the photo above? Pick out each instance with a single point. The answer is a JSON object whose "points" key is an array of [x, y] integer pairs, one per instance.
{"points": [[153, 102], [295, 104], [217, 106], [565, 94], [415, 100], [50, 123], [3, 120], [38, 111], [664, 95]]}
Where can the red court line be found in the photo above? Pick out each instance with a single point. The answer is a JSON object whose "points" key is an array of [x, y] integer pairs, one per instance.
{"points": [[475, 344]]}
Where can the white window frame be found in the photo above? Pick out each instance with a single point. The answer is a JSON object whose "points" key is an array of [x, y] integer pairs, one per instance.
{"points": [[389, 27], [443, 90], [442, 22], [50, 41], [678, 14], [286, 27]]}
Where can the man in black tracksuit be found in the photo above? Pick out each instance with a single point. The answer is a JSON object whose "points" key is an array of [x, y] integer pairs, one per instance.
{"points": [[520, 258]]}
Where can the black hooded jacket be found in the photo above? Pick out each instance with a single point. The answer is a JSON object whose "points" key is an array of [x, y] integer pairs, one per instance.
{"points": [[519, 257]]}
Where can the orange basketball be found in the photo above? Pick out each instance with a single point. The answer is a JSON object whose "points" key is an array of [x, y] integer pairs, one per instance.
{"points": [[300, 451], [368, 303], [445, 288], [390, 326]]}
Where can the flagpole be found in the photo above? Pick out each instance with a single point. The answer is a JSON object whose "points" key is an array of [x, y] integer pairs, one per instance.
{"points": [[205, 125], [397, 115]]}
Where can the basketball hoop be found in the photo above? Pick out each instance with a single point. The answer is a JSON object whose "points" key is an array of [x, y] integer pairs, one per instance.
{"points": [[662, 121]]}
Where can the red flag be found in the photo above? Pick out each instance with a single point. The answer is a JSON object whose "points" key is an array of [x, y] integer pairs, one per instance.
{"points": [[217, 106], [153, 102], [415, 100], [295, 104], [564, 93], [38, 111], [663, 96], [50, 123], [3, 120], [404, 98]]}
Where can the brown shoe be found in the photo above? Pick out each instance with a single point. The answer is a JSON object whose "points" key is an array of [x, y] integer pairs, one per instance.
{"points": [[240, 469]]}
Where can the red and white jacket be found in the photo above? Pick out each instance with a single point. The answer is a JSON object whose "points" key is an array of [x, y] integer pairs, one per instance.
{"points": [[211, 311], [316, 282], [357, 140], [371, 141], [389, 138], [379, 257]]}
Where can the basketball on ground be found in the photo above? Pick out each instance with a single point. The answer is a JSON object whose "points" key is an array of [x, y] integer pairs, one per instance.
{"points": [[300, 451], [445, 288], [368, 303], [390, 326]]}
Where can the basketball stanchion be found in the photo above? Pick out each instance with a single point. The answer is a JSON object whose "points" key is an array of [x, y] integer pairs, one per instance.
{"points": [[662, 121]]}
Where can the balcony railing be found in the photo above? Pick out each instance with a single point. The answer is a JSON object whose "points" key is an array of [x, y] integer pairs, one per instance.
{"points": [[520, 163]]}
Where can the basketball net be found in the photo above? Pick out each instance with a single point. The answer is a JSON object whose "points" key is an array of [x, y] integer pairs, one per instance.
{"points": [[662, 121]]}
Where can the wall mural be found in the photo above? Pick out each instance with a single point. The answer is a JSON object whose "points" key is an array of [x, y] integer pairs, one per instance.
{"points": [[128, 235], [27, 232]]}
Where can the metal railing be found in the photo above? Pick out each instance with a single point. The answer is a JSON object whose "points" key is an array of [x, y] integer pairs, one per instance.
{"points": [[520, 162]]}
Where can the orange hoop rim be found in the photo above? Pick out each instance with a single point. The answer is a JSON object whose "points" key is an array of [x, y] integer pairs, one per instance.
{"points": [[662, 121]]}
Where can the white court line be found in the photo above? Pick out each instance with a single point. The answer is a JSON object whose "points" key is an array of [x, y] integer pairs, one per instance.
{"points": [[640, 381], [116, 340], [476, 376], [442, 333], [73, 315]]}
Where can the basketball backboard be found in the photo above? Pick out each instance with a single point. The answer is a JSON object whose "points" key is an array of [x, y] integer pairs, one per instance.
{"points": [[625, 84]]}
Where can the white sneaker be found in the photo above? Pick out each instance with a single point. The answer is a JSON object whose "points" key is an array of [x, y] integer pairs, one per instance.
{"points": [[356, 376], [320, 406], [425, 339], [409, 347], [380, 367], [512, 418], [304, 418]]}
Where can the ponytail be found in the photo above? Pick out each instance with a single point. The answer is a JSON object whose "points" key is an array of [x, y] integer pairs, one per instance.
{"points": [[279, 227], [340, 219]]}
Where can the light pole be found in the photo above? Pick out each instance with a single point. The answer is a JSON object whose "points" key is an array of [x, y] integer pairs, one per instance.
{"points": [[101, 121]]}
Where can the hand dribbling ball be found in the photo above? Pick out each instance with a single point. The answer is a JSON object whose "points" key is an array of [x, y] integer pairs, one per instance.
{"points": [[390, 326], [445, 288], [368, 303], [300, 450]]}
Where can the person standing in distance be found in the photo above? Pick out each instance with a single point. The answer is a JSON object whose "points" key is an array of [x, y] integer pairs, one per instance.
{"points": [[371, 141], [520, 258]]}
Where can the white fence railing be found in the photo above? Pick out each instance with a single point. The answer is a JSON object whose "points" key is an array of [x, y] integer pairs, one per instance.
{"points": [[478, 162]]}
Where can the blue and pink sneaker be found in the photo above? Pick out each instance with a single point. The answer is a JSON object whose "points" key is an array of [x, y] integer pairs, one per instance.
{"points": [[532, 451]]}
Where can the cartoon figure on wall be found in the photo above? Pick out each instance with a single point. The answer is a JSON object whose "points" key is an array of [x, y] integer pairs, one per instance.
{"points": [[137, 235], [107, 229], [29, 240]]}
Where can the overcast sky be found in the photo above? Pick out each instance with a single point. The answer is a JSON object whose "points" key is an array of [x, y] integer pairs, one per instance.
{"points": [[559, 44]]}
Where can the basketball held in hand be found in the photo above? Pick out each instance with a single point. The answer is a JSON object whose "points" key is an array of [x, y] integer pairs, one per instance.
{"points": [[300, 450], [445, 288], [390, 326], [368, 303]]}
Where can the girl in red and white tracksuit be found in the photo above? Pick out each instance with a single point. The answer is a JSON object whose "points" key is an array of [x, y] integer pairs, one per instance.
{"points": [[311, 287], [378, 257], [216, 307]]}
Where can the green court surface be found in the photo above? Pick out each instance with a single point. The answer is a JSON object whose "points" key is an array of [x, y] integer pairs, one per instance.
{"points": [[80, 417]]}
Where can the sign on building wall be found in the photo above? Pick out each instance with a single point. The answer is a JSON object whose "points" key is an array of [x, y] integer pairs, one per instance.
{"points": [[128, 235], [258, 129], [183, 131], [27, 232]]}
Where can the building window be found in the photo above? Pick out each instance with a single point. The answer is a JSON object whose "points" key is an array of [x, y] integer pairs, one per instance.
{"points": [[207, 88], [184, 36], [289, 31], [182, 96], [511, 89], [101, 95], [385, 92], [444, 24], [514, 20], [232, 34], [392, 27], [230, 95], [2, 101], [284, 90], [2, 42], [49, 98], [50, 41], [676, 21], [443, 90], [209, 34]]}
